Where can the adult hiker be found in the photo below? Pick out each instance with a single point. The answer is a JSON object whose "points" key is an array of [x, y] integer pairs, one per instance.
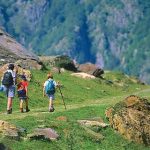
{"points": [[22, 90], [9, 81], [49, 90]]}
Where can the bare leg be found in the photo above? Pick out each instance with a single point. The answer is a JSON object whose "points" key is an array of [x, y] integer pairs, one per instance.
{"points": [[21, 105], [51, 108], [9, 103], [27, 109]]}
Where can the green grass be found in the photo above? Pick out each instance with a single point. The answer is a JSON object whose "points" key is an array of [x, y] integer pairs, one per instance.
{"points": [[84, 99]]}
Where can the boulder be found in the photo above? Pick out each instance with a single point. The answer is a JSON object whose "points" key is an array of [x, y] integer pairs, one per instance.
{"points": [[91, 69], [44, 133], [131, 118], [92, 127], [59, 61], [83, 75], [10, 130]]}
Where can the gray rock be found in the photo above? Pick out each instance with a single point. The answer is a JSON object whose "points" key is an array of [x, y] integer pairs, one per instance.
{"points": [[44, 134]]}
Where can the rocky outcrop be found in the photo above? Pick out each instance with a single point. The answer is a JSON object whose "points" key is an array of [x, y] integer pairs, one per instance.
{"points": [[10, 130], [131, 118], [59, 61], [11, 51], [91, 69]]}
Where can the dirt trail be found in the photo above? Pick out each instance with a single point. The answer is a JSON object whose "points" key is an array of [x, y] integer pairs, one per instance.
{"points": [[60, 108]]}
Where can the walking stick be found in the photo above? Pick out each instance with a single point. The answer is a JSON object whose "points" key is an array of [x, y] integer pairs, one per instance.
{"points": [[62, 97]]}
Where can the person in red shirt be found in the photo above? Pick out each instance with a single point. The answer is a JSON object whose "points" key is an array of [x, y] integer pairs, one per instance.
{"points": [[22, 90]]}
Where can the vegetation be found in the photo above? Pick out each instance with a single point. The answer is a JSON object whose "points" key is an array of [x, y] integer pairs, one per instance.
{"points": [[84, 99], [117, 30]]}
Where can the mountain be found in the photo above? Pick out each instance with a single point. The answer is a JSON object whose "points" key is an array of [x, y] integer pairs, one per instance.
{"points": [[112, 34], [13, 52]]}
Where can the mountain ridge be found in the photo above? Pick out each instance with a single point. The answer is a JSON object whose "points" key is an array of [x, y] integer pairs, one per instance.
{"points": [[112, 34]]}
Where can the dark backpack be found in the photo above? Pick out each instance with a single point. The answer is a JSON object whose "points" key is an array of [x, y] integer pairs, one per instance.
{"points": [[50, 87], [7, 79]]}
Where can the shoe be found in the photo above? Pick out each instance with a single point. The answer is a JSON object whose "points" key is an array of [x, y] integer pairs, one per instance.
{"points": [[27, 110], [21, 110], [51, 110], [9, 111]]}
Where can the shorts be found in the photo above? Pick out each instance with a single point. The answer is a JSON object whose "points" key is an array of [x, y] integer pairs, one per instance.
{"points": [[23, 98], [51, 96], [10, 91]]}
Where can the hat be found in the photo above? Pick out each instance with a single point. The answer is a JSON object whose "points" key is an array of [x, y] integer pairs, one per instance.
{"points": [[11, 66]]}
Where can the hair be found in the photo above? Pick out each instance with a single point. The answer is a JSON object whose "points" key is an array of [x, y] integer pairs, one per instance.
{"points": [[49, 75], [11, 66], [23, 77]]}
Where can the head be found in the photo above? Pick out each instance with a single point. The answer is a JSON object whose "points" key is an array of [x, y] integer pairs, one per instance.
{"points": [[11, 66], [49, 75], [23, 77]]}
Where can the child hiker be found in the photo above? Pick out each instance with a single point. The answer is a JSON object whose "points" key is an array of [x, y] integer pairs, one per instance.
{"points": [[49, 90], [22, 89]]}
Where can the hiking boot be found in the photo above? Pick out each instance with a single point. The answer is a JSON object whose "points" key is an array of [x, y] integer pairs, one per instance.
{"points": [[27, 109], [9, 111], [51, 110], [21, 110]]}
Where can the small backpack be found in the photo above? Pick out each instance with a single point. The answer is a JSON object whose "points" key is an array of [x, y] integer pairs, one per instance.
{"points": [[50, 87], [7, 79]]}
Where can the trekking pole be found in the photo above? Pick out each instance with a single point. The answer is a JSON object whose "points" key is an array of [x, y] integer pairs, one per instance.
{"points": [[62, 97]]}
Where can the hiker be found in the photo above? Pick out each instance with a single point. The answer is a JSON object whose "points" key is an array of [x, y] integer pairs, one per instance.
{"points": [[22, 90], [49, 90], [8, 82]]}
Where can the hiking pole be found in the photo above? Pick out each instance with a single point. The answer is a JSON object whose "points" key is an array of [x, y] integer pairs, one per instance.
{"points": [[62, 97]]}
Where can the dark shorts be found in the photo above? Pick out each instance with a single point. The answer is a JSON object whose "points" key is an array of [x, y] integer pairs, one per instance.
{"points": [[23, 98]]}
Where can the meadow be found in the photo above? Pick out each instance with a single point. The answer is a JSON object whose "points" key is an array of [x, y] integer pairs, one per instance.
{"points": [[84, 99]]}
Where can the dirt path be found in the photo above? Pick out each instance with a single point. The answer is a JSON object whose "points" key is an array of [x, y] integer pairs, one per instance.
{"points": [[44, 110]]}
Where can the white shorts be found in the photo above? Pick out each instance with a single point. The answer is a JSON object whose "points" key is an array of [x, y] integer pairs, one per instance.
{"points": [[51, 96], [10, 91]]}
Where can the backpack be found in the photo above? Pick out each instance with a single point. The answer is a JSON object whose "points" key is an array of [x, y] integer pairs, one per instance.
{"points": [[7, 79], [50, 87]]}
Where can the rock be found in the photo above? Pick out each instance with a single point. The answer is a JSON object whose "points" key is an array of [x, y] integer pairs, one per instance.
{"points": [[87, 68], [59, 61], [9, 130], [131, 118], [92, 123], [44, 133], [55, 70], [83, 75], [98, 72], [96, 136], [12, 51], [91, 69], [4, 147]]}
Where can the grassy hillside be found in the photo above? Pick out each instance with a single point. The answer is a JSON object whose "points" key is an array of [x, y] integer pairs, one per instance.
{"points": [[114, 34], [84, 99]]}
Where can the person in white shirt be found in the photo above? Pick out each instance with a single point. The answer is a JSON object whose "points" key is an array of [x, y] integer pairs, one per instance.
{"points": [[50, 92]]}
